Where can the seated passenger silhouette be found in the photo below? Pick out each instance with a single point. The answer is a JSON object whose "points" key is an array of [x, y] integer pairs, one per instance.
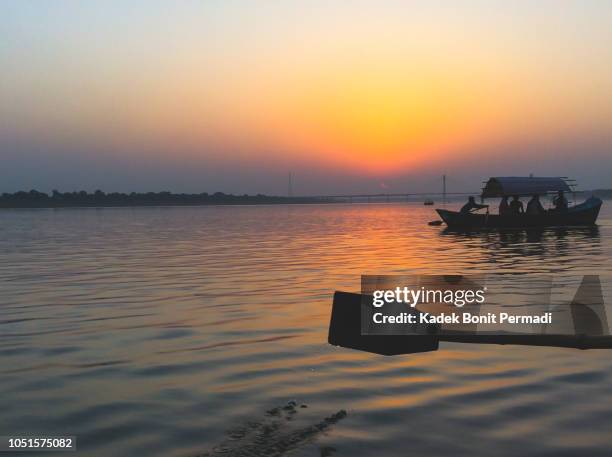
{"points": [[504, 207], [560, 202], [516, 206], [471, 205], [534, 206]]}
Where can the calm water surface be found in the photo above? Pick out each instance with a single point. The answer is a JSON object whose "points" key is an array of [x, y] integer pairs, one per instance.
{"points": [[171, 332]]}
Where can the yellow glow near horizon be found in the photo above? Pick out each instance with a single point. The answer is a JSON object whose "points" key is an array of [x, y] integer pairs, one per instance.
{"points": [[377, 120]]}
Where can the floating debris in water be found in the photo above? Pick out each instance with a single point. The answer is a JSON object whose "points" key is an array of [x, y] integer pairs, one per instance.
{"points": [[273, 437], [274, 411], [290, 405], [326, 451]]}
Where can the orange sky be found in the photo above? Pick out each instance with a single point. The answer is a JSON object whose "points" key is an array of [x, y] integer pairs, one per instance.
{"points": [[371, 88]]}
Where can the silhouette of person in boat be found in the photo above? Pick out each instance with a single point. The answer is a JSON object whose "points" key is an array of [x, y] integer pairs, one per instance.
{"points": [[534, 206], [471, 205], [504, 206], [560, 202], [516, 206]]}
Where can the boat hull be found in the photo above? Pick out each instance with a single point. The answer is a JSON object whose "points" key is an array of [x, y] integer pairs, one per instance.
{"points": [[584, 214]]}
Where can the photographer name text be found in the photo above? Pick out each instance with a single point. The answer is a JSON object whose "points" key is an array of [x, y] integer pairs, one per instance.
{"points": [[461, 318]]}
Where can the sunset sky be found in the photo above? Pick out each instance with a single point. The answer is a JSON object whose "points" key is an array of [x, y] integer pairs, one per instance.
{"points": [[351, 96]]}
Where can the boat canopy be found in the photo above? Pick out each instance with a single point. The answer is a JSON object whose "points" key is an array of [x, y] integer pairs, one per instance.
{"points": [[516, 185]]}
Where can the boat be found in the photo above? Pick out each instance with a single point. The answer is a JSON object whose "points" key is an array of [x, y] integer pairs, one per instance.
{"points": [[583, 214], [428, 202]]}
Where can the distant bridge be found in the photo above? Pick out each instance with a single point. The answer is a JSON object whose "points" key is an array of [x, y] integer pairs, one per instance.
{"points": [[393, 197], [387, 197], [443, 196], [407, 197]]}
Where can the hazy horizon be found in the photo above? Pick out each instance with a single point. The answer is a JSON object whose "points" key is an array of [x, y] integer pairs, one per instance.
{"points": [[361, 98]]}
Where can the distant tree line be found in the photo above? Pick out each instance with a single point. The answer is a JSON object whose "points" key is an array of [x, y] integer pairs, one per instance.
{"points": [[36, 199]]}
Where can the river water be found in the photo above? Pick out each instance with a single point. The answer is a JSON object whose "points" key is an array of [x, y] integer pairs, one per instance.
{"points": [[178, 331]]}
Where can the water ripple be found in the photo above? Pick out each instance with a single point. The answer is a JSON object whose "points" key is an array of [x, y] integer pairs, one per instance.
{"points": [[154, 331]]}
